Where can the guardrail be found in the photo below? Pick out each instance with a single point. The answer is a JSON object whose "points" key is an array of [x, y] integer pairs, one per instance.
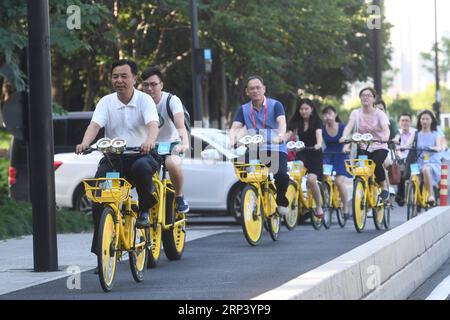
{"points": [[390, 266]]}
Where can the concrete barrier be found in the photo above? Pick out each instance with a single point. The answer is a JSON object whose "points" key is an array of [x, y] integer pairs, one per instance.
{"points": [[390, 266]]}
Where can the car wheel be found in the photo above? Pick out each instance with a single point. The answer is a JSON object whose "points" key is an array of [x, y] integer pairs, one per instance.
{"points": [[234, 202], [81, 202]]}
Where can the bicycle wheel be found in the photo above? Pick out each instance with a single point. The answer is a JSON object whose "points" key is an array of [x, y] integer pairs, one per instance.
{"points": [[342, 220], [274, 221], [252, 220], [359, 207], [291, 218], [138, 254], [174, 239], [387, 217], [326, 205], [378, 216], [411, 205], [155, 235], [107, 249], [316, 221]]}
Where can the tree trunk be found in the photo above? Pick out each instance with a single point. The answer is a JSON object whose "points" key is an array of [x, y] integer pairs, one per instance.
{"points": [[223, 111], [90, 82], [58, 78]]}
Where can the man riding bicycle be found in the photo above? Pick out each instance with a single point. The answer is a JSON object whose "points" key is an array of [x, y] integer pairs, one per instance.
{"points": [[172, 129], [130, 114], [266, 116]]}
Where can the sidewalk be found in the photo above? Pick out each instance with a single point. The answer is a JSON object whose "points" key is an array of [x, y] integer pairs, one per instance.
{"points": [[16, 258]]}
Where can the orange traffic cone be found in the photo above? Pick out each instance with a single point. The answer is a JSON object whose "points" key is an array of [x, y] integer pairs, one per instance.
{"points": [[444, 184]]}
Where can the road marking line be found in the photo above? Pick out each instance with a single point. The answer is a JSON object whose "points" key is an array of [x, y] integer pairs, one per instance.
{"points": [[442, 291]]}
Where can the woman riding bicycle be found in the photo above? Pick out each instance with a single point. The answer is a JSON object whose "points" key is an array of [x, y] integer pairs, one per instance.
{"points": [[430, 162], [307, 124], [369, 119], [331, 133]]}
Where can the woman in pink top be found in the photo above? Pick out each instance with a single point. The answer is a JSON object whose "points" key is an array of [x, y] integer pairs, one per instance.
{"points": [[374, 121]]}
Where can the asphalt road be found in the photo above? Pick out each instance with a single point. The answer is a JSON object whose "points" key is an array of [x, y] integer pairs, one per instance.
{"points": [[222, 266]]}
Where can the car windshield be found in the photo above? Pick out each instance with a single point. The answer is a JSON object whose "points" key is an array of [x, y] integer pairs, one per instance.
{"points": [[219, 137]]}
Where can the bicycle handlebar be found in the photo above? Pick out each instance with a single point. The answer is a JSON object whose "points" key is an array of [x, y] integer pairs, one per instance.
{"points": [[419, 149]]}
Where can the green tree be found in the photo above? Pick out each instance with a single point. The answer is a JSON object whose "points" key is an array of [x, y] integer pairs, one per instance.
{"points": [[317, 46], [399, 106], [444, 59]]}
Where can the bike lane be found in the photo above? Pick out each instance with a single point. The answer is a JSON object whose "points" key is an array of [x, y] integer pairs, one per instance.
{"points": [[221, 266]]}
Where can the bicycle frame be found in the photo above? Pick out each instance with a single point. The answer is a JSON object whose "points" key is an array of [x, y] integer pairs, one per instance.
{"points": [[420, 194], [305, 202], [163, 187], [371, 187], [115, 202], [334, 191], [264, 188]]}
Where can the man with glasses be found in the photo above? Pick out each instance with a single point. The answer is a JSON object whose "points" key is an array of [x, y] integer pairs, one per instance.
{"points": [[171, 129], [266, 116]]}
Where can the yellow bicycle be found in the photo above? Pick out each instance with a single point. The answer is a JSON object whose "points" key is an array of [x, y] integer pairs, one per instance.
{"points": [[258, 198], [335, 202], [117, 228], [366, 191], [305, 203], [167, 225], [416, 193]]}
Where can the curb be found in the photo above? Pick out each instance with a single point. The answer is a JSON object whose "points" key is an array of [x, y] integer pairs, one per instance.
{"points": [[390, 266]]}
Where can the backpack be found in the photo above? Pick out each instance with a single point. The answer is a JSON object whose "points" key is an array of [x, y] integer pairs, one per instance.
{"points": [[187, 117]]}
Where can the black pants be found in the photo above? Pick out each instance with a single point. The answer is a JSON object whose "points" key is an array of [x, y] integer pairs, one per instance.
{"points": [[277, 162], [377, 156], [138, 170]]}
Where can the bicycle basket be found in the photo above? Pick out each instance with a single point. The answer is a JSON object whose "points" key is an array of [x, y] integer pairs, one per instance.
{"points": [[249, 173], [103, 190], [296, 170], [360, 167]]}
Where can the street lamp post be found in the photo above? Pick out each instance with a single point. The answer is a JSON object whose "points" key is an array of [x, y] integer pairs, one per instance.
{"points": [[377, 54], [196, 76], [42, 175], [437, 104]]}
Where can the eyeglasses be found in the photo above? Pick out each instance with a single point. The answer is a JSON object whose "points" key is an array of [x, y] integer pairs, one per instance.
{"points": [[368, 95], [152, 84]]}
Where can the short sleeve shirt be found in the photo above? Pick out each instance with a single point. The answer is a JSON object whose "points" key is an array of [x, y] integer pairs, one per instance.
{"points": [[309, 137], [372, 123], [168, 132], [126, 121]]}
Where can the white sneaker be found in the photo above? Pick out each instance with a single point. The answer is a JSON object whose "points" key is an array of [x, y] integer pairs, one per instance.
{"points": [[282, 211]]}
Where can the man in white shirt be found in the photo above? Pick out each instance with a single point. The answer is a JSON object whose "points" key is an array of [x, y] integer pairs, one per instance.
{"points": [[131, 114], [171, 130], [406, 131]]}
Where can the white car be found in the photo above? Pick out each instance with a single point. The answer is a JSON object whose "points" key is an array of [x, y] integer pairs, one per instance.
{"points": [[209, 185]]}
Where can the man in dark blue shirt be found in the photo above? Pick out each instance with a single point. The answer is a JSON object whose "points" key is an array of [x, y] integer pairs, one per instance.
{"points": [[266, 116]]}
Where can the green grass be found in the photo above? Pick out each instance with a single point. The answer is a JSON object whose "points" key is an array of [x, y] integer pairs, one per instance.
{"points": [[16, 219], [4, 164], [5, 139]]}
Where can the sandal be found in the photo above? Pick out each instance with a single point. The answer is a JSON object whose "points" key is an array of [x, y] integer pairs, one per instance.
{"points": [[318, 215]]}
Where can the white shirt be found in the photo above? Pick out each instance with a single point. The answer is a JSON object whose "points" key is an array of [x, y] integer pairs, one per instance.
{"points": [[126, 121], [168, 132]]}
